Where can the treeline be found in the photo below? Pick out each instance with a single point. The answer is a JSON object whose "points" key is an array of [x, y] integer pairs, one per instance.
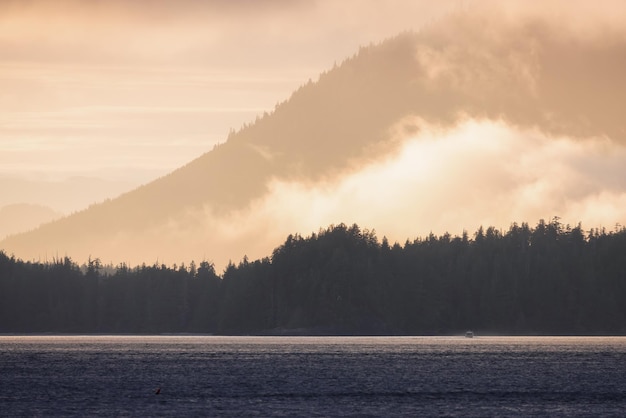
{"points": [[550, 279]]}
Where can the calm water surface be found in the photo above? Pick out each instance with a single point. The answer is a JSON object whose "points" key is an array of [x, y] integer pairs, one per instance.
{"points": [[309, 376]]}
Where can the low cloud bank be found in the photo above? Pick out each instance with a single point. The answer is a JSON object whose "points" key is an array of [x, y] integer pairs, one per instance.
{"points": [[480, 172]]}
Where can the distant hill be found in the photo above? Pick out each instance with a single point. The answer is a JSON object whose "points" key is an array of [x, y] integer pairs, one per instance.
{"points": [[528, 74], [22, 217], [65, 195]]}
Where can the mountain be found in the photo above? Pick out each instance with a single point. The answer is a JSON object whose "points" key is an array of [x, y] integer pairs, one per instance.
{"points": [[530, 74]]}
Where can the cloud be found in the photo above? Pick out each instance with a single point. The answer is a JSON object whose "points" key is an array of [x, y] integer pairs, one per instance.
{"points": [[480, 172], [529, 68]]}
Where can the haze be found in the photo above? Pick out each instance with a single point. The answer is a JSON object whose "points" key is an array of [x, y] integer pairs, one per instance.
{"points": [[125, 93]]}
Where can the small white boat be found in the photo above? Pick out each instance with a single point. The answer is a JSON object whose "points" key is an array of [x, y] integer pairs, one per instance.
{"points": [[469, 334]]}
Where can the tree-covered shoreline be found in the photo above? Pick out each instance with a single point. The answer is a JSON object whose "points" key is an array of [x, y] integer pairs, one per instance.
{"points": [[550, 279]]}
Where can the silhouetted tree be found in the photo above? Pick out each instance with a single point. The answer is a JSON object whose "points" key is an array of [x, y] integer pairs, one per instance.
{"points": [[543, 280]]}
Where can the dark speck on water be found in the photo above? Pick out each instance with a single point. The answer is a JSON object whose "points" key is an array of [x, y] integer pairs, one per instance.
{"points": [[312, 376]]}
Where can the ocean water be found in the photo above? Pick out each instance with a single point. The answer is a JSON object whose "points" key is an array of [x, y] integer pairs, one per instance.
{"points": [[312, 376]]}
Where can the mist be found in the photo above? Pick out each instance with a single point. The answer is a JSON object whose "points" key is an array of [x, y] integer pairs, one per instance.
{"points": [[478, 173]]}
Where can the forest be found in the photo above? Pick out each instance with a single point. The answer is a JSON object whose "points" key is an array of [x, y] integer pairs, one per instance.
{"points": [[549, 279]]}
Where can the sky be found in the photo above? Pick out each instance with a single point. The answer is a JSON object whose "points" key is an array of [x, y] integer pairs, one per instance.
{"points": [[124, 92], [132, 90]]}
